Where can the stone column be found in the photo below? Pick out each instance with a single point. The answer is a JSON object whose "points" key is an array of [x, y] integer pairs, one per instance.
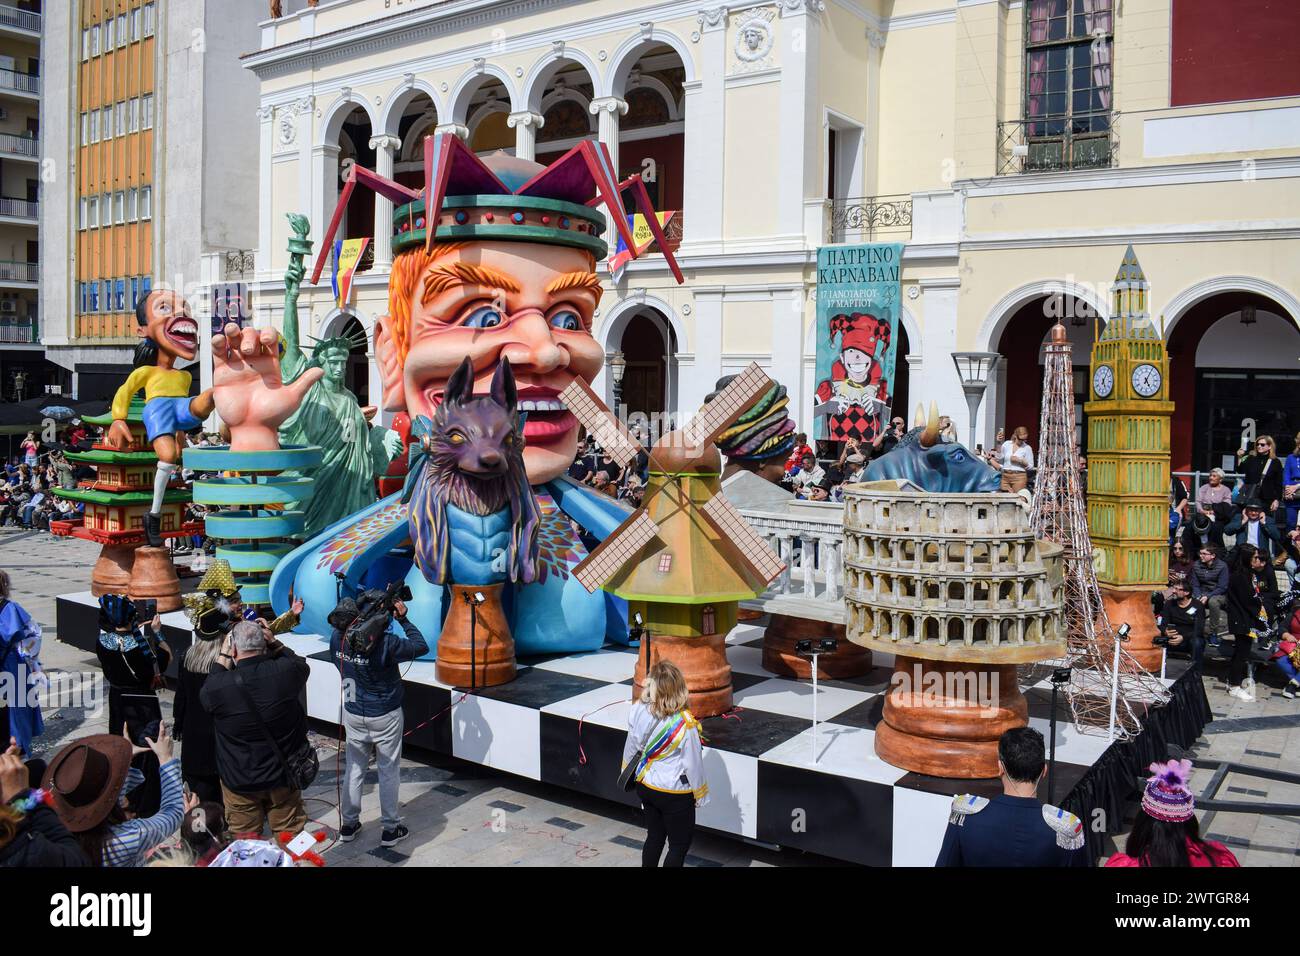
{"points": [[799, 120], [525, 124], [385, 146], [265, 201], [708, 348], [455, 129], [325, 176], [607, 110], [704, 146]]}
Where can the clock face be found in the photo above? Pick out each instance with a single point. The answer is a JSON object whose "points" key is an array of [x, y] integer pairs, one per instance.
{"points": [[1146, 380], [1103, 380]]}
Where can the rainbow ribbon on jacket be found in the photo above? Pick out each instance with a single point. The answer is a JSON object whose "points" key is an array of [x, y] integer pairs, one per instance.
{"points": [[668, 737]]}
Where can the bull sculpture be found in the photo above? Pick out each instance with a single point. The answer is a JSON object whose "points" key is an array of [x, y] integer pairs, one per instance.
{"points": [[933, 465]]}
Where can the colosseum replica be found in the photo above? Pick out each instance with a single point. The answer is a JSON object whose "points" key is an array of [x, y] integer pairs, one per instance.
{"points": [[957, 589]]}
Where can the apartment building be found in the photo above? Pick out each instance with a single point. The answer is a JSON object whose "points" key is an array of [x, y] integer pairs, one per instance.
{"points": [[145, 108]]}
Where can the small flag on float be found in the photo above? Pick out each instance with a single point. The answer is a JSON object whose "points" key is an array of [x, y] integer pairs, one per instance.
{"points": [[642, 235], [347, 256]]}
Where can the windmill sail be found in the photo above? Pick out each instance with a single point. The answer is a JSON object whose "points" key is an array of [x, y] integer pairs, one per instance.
{"points": [[600, 423], [718, 414], [614, 552], [752, 550]]}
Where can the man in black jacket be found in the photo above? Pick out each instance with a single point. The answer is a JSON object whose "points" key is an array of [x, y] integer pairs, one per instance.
{"points": [[254, 781]]}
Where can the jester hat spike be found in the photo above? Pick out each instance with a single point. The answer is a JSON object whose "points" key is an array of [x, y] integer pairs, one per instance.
{"points": [[511, 199]]}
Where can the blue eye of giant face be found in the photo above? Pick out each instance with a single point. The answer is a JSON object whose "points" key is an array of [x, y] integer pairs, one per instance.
{"points": [[568, 321], [484, 317], [957, 457]]}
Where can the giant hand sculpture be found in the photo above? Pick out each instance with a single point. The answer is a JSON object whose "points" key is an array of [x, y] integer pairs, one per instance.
{"points": [[246, 386]]}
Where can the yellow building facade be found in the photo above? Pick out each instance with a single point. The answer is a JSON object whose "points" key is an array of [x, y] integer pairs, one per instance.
{"points": [[1017, 148]]}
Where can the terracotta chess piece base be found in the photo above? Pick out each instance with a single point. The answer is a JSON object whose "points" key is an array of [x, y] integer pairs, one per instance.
{"points": [[784, 631], [1134, 608], [476, 648], [154, 576], [112, 572], [744, 615], [703, 662], [944, 718]]}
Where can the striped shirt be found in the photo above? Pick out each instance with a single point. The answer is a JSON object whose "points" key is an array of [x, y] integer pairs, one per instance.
{"points": [[128, 842]]}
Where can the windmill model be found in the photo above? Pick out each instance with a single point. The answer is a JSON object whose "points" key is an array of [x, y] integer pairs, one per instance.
{"points": [[1107, 684], [686, 557]]}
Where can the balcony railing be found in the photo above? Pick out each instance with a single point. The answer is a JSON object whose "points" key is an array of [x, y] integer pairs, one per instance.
{"points": [[23, 145], [1058, 144], [11, 271], [18, 333], [22, 19], [868, 218], [18, 208], [22, 82]]}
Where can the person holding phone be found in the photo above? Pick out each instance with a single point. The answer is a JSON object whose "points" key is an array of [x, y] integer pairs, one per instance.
{"points": [[134, 657], [89, 781]]}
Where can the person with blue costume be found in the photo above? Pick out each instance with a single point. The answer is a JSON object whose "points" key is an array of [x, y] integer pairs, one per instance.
{"points": [[506, 271], [20, 672]]}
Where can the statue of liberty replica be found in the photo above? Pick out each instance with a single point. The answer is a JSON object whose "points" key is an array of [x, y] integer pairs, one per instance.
{"points": [[329, 416]]}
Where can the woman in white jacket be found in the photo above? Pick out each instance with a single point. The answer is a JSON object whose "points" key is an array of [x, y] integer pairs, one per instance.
{"points": [[670, 769]]}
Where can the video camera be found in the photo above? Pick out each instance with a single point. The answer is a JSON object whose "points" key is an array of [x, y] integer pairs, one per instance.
{"points": [[362, 621]]}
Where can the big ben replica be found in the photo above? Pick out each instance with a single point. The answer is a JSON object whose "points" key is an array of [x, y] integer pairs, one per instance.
{"points": [[1128, 460]]}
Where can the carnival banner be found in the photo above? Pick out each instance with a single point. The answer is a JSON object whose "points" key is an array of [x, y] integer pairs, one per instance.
{"points": [[858, 302], [347, 256]]}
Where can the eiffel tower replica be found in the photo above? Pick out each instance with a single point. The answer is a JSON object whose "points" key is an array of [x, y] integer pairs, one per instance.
{"points": [[1059, 514]]}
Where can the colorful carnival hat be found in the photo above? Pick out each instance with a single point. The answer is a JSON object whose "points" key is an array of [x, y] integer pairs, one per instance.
{"points": [[217, 582], [505, 198], [765, 430], [1167, 796]]}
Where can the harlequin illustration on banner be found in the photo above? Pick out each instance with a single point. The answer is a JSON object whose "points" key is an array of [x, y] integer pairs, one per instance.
{"points": [[857, 328]]}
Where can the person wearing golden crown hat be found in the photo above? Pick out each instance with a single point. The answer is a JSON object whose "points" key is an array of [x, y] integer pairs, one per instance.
{"points": [[215, 607]]}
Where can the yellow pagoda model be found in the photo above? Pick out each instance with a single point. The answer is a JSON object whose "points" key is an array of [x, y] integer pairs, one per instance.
{"points": [[1128, 458]]}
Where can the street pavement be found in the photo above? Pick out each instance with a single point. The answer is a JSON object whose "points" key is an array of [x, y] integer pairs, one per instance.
{"points": [[461, 813]]}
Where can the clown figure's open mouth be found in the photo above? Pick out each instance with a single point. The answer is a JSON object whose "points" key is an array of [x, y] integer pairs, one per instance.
{"points": [[547, 416], [183, 332]]}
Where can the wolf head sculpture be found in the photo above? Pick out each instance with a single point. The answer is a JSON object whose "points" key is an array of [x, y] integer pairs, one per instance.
{"points": [[475, 463]]}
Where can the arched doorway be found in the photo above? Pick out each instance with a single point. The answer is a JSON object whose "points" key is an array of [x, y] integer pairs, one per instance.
{"points": [[564, 102], [648, 345], [652, 130], [902, 378], [1232, 360], [1019, 397], [418, 120], [354, 148]]}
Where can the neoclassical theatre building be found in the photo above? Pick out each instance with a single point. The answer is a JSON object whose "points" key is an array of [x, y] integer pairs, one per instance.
{"points": [[1017, 148]]}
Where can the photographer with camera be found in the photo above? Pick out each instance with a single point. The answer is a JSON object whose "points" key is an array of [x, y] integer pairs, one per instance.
{"points": [[368, 654], [1181, 621], [263, 756]]}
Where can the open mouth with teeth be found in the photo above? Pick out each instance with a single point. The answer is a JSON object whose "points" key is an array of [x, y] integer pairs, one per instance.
{"points": [[548, 421], [183, 333]]}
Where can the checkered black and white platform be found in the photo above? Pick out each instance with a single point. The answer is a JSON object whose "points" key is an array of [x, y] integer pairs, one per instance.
{"points": [[563, 721]]}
